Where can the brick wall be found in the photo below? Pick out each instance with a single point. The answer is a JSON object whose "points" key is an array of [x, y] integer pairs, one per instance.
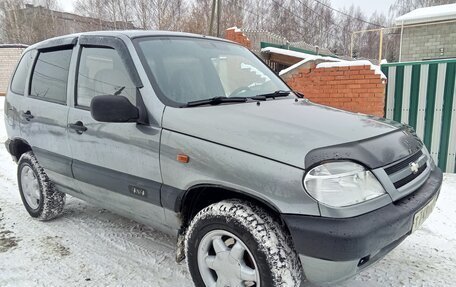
{"points": [[236, 35], [355, 88], [9, 56], [351, 88], [424, 42]]}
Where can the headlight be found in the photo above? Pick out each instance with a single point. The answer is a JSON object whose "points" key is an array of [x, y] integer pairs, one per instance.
{"points": [[342, 183], [430, 160]]}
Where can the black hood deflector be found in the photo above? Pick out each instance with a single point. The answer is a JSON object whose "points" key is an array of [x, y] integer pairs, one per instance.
{"points": [[372, 152]]}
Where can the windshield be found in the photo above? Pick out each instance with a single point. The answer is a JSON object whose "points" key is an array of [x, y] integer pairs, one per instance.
{"points": [[189, 69]]}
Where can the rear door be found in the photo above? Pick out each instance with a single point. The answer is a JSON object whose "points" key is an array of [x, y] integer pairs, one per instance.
{"points": [[115, 164], [44, 113], [15, 98]]}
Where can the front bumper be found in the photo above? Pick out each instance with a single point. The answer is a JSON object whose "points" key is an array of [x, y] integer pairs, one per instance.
{"points": [[334, 249]]}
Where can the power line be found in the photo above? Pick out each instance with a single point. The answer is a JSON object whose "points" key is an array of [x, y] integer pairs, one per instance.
{"points": [[317, 13], [327, 33], [250, 12], [306, 20], [348, 15]]}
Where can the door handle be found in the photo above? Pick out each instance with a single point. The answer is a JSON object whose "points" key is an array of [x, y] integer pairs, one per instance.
{"points": [[27, 115], [78, 127]]}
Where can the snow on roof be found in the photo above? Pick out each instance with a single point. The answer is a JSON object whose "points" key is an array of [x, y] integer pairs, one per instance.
{"points": [[305, 56], [236, 29], [286, 52], [428, 14], [329, 62], [308, 59], [376, 69]]}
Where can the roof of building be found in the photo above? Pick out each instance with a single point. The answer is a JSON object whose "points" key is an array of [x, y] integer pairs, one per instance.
{"points": [[286, 52], [428, 14], [13, 46], [322, 61]]}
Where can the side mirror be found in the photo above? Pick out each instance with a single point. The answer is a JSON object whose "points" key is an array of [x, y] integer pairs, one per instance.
{"points": [[113, 109]]}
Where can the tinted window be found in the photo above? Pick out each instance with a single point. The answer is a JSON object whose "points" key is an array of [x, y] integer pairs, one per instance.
{"points": [[102, 72], [50, 76], [19, 78]]}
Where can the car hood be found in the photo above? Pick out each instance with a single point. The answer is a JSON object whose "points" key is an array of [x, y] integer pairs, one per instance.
{"points": [[283, 130]]}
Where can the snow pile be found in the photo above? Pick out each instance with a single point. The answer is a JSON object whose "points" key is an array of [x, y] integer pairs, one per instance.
{"points": [[428, 14], [376, 69]]}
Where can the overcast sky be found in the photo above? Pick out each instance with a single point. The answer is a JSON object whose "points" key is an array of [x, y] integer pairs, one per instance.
{"points": [[368, 6]]}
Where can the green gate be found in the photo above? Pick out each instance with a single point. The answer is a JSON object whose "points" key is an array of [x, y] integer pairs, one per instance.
{"points": [[422, 94]]}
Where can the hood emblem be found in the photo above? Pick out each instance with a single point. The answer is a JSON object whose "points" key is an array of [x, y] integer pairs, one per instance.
{"points": [[414, 167]]}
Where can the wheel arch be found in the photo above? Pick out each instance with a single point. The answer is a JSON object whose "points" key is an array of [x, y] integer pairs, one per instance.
{"points": [[17, 147], [200, 196]]}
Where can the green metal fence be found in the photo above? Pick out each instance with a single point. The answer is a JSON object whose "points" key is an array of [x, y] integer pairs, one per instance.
{"points": [[422, 94]]}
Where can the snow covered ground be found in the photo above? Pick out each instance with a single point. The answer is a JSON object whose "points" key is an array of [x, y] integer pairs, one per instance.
{"points": [[89, 246]]}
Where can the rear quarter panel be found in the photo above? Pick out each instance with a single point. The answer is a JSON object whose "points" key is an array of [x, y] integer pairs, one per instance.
{"points": [[13, 103]]}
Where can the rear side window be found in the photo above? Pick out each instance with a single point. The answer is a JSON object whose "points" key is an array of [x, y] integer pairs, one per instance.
{"points": [[20, 76], [102, 72], [50, 76]]}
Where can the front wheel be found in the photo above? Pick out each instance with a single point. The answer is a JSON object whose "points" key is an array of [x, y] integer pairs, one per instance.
{"points": [[234, 243]]}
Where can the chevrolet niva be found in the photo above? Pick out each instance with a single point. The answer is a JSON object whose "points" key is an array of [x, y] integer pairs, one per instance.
{"points": [[197, 137]]}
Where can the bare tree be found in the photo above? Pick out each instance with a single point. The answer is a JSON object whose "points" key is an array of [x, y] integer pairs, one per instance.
{"points": [[311, 21], [27, 26], [143, 10]]}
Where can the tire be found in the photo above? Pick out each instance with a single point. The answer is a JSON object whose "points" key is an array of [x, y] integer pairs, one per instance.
{"points": [[39, 195], [268, 249]]}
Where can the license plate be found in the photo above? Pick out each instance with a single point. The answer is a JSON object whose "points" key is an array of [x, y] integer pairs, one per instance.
{"points": [[423, 214]]}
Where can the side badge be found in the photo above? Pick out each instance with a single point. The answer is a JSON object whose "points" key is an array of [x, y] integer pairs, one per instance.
{"points": [[137, 191]]}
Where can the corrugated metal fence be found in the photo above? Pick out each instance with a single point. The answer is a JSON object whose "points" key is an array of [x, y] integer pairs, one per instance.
{"points": [[422, 94]]}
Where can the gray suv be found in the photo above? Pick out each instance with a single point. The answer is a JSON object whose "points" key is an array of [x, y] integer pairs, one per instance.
{"points": [[197, 137]]}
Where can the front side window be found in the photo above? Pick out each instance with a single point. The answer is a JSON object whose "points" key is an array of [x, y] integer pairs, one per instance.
{"points": [[102, 72], [189, 69], [50, 76], [20, 75]]}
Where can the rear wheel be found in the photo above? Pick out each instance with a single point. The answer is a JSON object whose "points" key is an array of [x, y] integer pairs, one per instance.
{"points": [[39, 195], [234, 243]]}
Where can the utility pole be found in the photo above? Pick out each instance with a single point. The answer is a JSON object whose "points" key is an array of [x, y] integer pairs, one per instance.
{"points": [[380, 47], [219, 14], [216, 5]]}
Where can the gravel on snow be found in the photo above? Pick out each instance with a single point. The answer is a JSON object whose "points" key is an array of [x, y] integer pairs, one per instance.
{"points": [[89, 246]]}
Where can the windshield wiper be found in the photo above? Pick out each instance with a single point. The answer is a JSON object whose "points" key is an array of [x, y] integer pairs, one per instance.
{"points": [[116, 93], [216, 101], [298, 94], [276, 94]]}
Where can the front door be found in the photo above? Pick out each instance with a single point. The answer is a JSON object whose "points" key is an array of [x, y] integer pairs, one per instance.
{"points": [[115, 164]]}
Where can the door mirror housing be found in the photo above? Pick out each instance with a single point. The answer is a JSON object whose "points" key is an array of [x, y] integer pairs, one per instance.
{"points": [[113, 109]]}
